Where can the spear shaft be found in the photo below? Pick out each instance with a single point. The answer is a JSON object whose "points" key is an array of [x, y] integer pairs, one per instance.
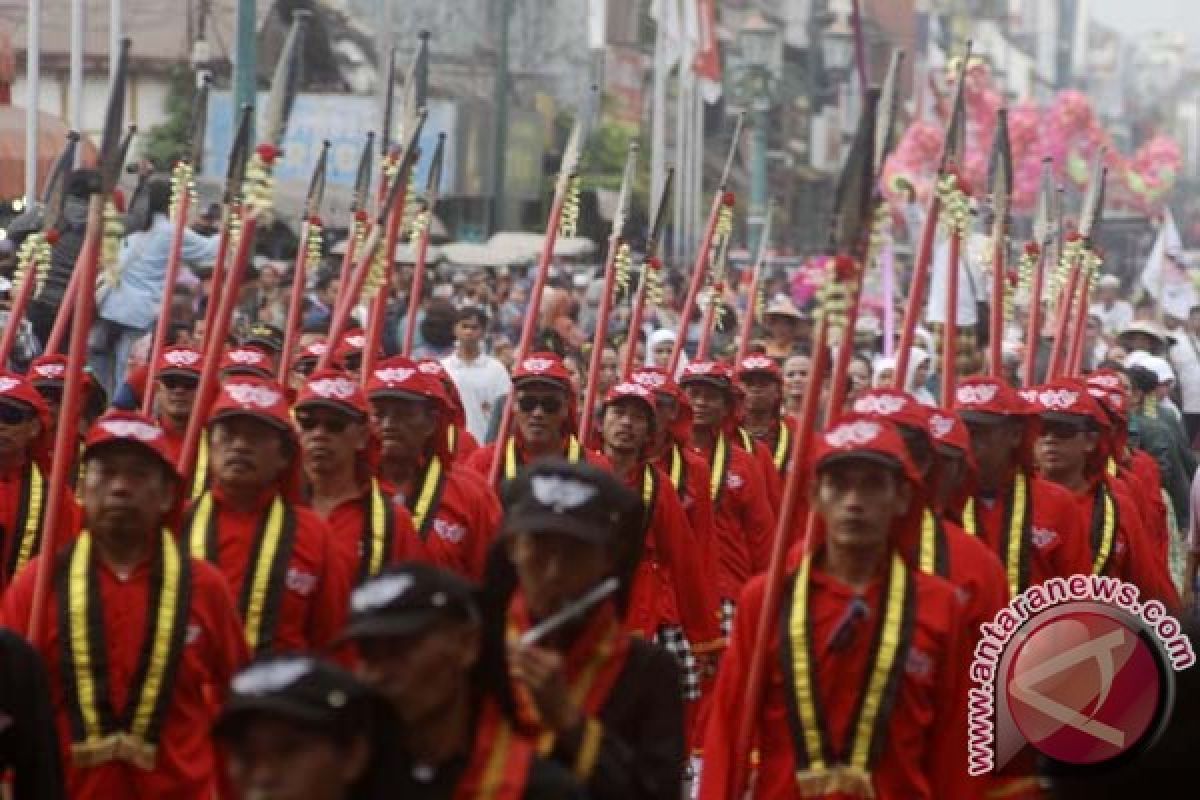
{"points": [[183, 204]]}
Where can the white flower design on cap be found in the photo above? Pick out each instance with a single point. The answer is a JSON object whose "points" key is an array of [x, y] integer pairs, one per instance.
{"points": [[50, 370], [356, 341], [182, 358], [1107, 381], [885, 405], [976, 395], [631, 388], [392, 375], [7, 384], [246, 357], [853, 434], [1058, 399], [756, 362], [430, 368], [699, 368], [247, 394], [561, 494], [379, 592], [652, 379], [941, 425], [273, 676], [333, 388], [132, 429], [536, 364]]}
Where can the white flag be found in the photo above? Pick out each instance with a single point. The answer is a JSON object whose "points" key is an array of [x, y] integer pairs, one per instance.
{"points": [[1164, 277], [666, 14]]}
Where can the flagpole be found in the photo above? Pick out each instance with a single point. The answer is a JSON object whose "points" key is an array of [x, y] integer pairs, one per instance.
{"points": [[658, 111]]}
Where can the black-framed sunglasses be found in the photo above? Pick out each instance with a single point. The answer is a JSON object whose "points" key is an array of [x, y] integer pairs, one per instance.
{"points": [[550, 403], [171, 382], [12, 415]]}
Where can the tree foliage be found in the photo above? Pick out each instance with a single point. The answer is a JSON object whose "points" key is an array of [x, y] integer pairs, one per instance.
{"points": [[165, 144]]}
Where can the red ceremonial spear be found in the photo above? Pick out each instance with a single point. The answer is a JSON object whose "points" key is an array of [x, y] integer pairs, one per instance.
{"points": [[721, 199], [566, 187], [67, 432], [952, 148], [616, 261], [358, 207], [716, 290], [181, 202], [255, 200], [650, 285], [308, 247], [1089, 261], [1033, 269], [1001, 193], [851, 222], [34, 256], [423, 225]]}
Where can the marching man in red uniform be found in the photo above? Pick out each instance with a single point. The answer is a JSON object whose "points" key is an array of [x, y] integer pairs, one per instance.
{"points": [[864, 693], [761, 382], [742, 511], [1072, 450], [460, 442], [544, 417], [178, 376], [290, 579], [137, 636], [454, 513], [1031, 524], [335, 437], [24, 475]]}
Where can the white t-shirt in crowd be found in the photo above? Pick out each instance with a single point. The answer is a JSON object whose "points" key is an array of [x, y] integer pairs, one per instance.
{"points": [[481, 383], [1113, 320]]}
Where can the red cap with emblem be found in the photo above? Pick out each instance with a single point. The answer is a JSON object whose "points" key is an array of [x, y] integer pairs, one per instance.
{"points": [[712, 372], [129, 427], [308, 357], [759, 365], [402, 377], [542, 368], [48, 370], [334, 389], [658, 381], [1068, 401], [948, 430], [984, 396], [251, 396], [431, 366], [1106, 387], [859, 437], [179, 360], [898, 407], [629, 390], [248, 361]]}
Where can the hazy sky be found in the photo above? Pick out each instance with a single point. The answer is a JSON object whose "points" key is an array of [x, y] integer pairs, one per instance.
{"points": [[1138, 16]]}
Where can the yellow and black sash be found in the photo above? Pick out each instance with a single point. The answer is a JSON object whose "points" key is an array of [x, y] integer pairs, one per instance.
{"points": [[200, 475], [718, 470], [649, 496], [263, 586], [933, 557], [678, 471], [27, 524], [98, 732], [747, 440], [425, 501], [379, 535], [1018, 532], [452, 440], [783, 447], [1104, 528], [824, 767], [512, 462]]}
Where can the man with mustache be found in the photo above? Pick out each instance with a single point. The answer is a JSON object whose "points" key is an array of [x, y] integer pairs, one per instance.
{"points": [[290, 579]]}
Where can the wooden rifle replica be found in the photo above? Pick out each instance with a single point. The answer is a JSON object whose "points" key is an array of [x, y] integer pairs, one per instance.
{"points": [[1000, 171], [308, 250], [422, 229], [1031, 270], [650, 285]]}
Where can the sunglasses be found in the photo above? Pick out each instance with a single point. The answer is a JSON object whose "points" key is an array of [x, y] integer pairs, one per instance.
{"points": [[310, 423], [1061, 430], [550, 403], [11, 415], [172, 382]]}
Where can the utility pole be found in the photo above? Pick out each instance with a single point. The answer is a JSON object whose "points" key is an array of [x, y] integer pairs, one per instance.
{"points": [[245, 65], [33, 69], [75, 82], [500, 101]]}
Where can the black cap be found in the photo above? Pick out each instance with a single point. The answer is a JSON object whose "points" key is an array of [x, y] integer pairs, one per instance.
{"points": [[575, 499], [265, 335], [408, 598], [298, 688]]}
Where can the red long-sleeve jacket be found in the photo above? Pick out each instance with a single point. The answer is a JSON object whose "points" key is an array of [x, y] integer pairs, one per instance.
{"points": [[214, 652], [14, 516], [481, 460], [671, 584], [349, 526], [925, 755], [319, 576]]}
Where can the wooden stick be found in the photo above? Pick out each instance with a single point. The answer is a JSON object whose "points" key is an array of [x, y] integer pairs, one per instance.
{"points": [[19, 305], [918, 286], [183, 204], [950, 324], [1033, 332], [291, 328]]}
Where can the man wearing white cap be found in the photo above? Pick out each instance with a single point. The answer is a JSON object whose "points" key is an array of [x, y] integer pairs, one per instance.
{"points": [[1115, 314], [1185, 358]]}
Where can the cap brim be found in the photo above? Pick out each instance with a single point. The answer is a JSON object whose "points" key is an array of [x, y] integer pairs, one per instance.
{"points": [[1080, 421], [384, 624], [244, 708], [17, 403], [399, 394], [182, 372], [984, 417], [530, 380], [242, 412], [711, 380], [869, 456], [543, 522], [332, 405]]}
